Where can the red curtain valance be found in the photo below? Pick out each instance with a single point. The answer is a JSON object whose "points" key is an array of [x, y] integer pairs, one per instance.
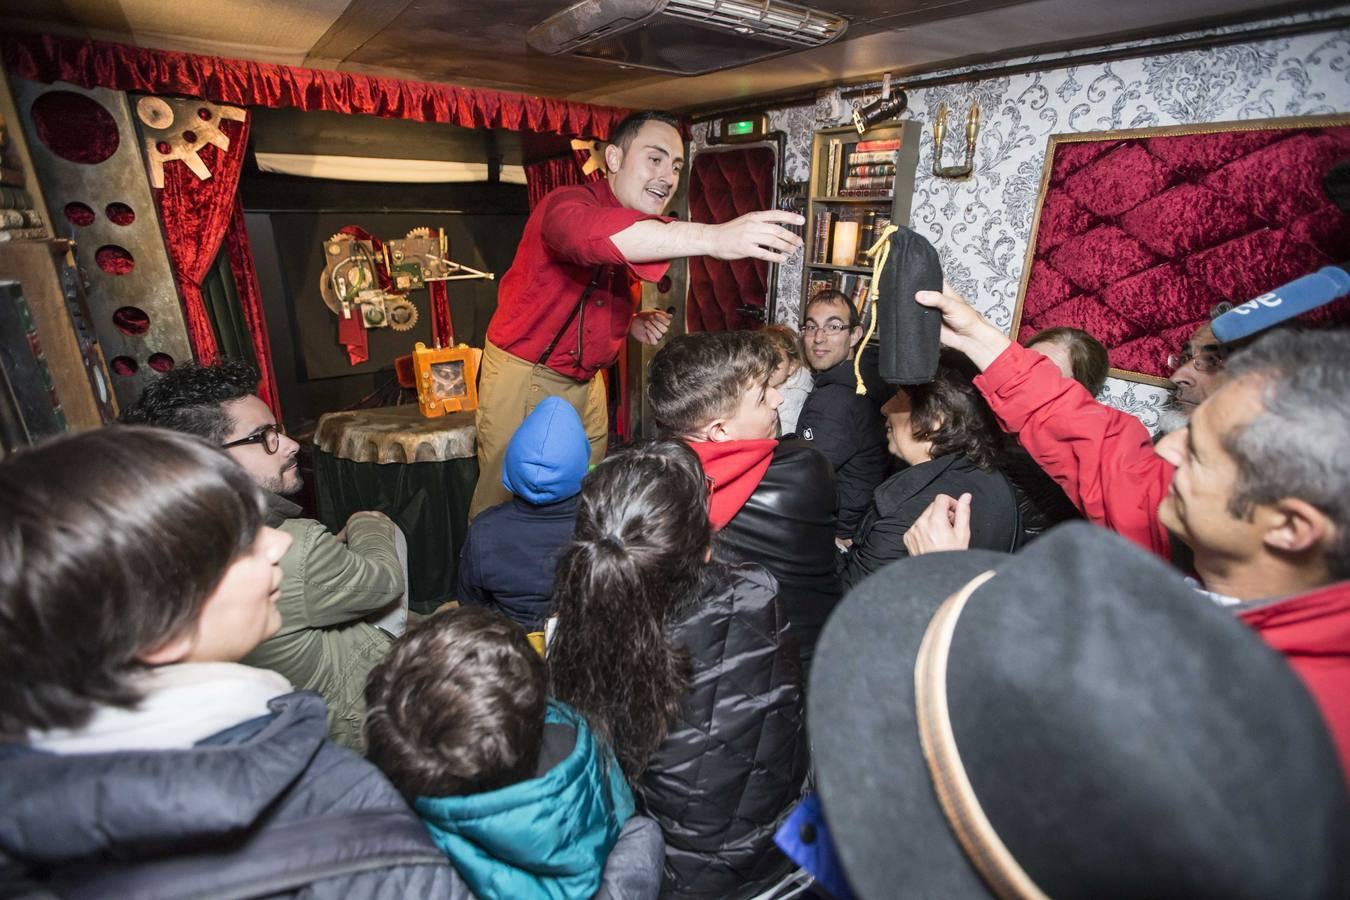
{"points": [[48, 58], [545, 175]]}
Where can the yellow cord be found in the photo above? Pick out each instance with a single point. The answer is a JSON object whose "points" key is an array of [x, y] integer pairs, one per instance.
{"points": [[880, 252]]}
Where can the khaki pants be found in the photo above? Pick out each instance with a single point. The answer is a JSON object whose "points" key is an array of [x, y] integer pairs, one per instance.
{"points": [[509, 388]]}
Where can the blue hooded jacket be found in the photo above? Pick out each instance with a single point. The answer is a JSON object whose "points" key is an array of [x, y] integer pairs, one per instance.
{"points": [[544, 838], [548, 455], [511, 550]]}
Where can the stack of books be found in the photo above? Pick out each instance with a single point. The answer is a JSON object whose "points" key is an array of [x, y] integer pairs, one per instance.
{"points": [[870, 169], [850, 284], [18, 219]]}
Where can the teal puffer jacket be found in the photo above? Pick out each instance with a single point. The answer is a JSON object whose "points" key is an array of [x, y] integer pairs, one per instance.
{"points": [[546, 837]]}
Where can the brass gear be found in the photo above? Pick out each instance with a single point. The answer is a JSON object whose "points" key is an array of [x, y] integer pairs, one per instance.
{"points": [[401, 314], [419, 232]]}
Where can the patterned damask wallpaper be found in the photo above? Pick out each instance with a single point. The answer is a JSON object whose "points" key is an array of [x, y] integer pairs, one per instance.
{"points": [[981, 225]]}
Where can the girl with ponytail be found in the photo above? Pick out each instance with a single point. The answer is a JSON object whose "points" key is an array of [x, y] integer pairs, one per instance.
{"points": [[637, 557], [684, 667]]}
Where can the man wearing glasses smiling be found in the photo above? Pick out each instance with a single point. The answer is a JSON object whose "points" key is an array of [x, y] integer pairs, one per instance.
{"points": [[343, 596]]}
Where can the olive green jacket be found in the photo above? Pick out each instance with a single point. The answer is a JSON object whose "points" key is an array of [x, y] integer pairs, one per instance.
{"points": [[328, 588]]}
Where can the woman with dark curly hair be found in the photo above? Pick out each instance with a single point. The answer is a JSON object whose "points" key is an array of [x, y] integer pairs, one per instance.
{"points": [[950, 440], [684, 666]]}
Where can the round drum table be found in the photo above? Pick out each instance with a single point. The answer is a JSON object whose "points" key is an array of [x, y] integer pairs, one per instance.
{"points": [[420, 472]]}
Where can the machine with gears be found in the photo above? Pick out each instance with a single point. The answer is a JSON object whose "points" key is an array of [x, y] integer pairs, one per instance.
{"points": [[351, 285], [370, 279]]}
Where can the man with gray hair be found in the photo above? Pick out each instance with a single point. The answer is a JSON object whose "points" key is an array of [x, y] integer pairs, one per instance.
{"points": [[1257, 484]]}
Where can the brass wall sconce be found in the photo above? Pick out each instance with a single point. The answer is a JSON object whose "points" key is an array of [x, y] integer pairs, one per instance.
{"points": [[940, 132]]}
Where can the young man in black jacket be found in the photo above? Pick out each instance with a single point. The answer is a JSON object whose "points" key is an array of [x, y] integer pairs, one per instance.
{"points": [[843, 425], [771, 502]]}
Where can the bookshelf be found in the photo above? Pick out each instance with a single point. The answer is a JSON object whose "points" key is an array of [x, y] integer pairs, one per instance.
{"points": [[860, 181]]}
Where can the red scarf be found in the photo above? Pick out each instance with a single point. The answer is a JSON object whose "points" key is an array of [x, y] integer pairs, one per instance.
{"points": [[734, 469]]}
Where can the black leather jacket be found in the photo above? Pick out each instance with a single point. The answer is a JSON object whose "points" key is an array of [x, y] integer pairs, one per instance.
{"points": [[732, 766], [787, 526]]}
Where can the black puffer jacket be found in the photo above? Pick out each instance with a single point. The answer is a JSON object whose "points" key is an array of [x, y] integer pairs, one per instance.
{"points": [[732, 766], [267, 808], [787, 526]]}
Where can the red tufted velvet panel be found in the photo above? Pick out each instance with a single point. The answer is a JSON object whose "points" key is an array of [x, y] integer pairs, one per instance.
{"points": [[1137, 238], [725, 184]]}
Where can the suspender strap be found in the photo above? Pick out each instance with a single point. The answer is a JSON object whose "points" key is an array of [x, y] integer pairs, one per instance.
{"points": [[585, 295]]}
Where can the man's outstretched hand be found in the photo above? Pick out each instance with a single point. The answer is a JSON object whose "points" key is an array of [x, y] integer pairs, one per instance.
{"points": [[963, 329], [649, 326], [944, 525], [756, 235]]}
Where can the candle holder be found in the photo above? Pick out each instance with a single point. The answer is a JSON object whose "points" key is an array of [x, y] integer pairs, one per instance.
{"points": [[940, 132]]}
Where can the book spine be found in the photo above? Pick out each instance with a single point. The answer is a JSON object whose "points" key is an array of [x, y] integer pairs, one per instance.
{"points": [[20, 218], [824, 228], [890, 144], [872, 169], [15, 198], [869, 158], [867, 235], [22, 234], [871, 182]]}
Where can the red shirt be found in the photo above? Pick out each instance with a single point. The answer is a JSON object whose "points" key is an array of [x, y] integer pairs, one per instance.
{"points": [[566, 241], [1104, 460]]}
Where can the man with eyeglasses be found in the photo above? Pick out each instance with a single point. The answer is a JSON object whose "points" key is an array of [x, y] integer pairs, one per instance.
{"points": [[844, 426], [343, 596], [1197, 370]]}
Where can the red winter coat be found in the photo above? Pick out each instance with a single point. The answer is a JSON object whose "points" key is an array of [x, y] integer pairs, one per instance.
{"points": [[1104, 460]]}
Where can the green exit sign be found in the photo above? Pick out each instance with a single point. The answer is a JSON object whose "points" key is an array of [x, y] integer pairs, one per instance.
{"points": [[744, 128]]}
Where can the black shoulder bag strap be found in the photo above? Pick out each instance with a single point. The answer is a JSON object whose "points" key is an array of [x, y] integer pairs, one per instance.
{"points": [[585, 295]]}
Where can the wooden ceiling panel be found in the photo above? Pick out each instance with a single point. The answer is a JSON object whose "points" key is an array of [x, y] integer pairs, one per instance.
{"points": [[482, 44]]}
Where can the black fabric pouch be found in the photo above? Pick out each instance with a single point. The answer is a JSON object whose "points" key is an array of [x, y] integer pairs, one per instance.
{"points": [[908, 332]]}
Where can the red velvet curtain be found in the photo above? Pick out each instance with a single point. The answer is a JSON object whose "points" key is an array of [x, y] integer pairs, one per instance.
{"points": [[196, 214], [50, 58], [442, 329], [250, 298], [542, 177]]}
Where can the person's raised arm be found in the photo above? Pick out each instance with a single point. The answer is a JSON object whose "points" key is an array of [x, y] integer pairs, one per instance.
{"points": [[1101, 457], [755, 235], [964, 329]]}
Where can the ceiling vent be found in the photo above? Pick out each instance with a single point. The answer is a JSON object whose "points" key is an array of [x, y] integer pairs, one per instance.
{"points": [[684, 37]]}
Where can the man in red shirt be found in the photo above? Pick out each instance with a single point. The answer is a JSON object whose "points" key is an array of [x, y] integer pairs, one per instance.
{"points": [[565, 307], [1257, 485]]}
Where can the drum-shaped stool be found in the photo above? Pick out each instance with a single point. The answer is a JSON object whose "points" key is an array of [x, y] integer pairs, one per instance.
{"points": [[420, 472]]}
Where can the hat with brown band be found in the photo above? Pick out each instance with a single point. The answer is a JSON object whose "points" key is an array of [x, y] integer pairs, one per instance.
{"points": [[1074, 720]]}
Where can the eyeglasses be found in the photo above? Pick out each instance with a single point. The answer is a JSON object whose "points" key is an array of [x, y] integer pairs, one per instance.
{"points": [[269, 436], [1206, 357], [831, 328]]}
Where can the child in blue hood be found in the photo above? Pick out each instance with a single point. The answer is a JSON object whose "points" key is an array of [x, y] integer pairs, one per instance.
{"points": [[514, 787], [511, 549]]}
